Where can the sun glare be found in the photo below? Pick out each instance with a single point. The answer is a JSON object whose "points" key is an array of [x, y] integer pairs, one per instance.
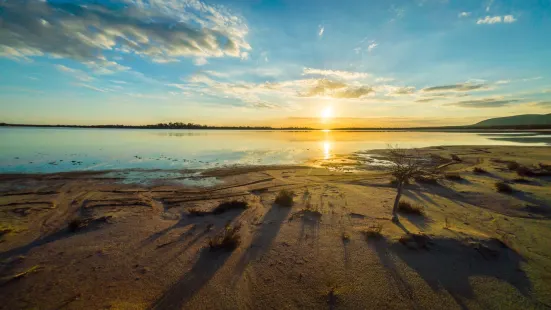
{"points": [[327, 113]]}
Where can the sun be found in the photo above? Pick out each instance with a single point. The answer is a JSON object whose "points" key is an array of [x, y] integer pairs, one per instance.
{"points": [[327, 113]]}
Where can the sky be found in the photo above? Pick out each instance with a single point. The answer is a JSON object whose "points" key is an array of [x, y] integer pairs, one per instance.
{"points": [[316, 63]]}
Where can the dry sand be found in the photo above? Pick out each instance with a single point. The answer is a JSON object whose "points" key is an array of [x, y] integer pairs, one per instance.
{"points": [[141, 249]]}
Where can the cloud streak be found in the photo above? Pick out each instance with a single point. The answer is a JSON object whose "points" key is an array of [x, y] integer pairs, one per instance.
{"points": [[484, 103], [496, 19], [456, 87]]}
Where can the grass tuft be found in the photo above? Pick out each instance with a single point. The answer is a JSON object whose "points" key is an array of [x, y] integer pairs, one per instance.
{"points": [[374, 231], [284, 198], [409, 208], [503, 187], [228, 239]]}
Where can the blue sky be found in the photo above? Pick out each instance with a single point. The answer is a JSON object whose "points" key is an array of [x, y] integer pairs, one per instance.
{"points": [[358, 63]]}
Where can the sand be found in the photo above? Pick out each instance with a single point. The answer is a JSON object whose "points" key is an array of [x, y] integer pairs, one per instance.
{"points": [[140, 248]]}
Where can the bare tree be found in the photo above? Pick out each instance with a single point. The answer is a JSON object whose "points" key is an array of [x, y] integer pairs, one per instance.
{"points": [[407, 164]]}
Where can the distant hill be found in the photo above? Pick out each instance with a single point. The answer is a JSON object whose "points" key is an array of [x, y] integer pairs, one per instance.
{"points": [[517, 120]]}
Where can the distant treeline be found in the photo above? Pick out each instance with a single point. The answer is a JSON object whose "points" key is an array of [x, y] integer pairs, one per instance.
{"points": [[177, 125]]}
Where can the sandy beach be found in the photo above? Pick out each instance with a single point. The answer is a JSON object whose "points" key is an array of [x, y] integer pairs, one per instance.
{"points": [[146, 246]]}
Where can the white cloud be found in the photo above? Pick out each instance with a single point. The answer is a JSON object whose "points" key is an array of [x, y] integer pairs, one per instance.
{"points": [[200, 61], [321, 30], [372, 46], [496, 19], [509, 19], [489, 20], [464, 14], [503, 82], [347, 75], [155, 29]]}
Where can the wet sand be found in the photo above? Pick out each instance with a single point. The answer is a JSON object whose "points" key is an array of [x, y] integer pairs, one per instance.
{"points": [[140, 247]]}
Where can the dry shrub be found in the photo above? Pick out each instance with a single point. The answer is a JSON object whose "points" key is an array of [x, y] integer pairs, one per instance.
{"points": [[228, 239], [284, 198], [455, 157], [409, 208], [374, 231], [479, 170], [426, 179], [503, 187]]}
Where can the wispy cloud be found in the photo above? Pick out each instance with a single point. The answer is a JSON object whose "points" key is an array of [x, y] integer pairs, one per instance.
{"points": [[94, 88], [347, 75], [372, 46], [497, 19], [484, 103], [80, 75], [321, 30], [464, 14], [456, 87]]}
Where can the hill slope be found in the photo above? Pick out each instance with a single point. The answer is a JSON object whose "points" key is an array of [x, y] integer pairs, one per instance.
{"points": [[517, 120]]}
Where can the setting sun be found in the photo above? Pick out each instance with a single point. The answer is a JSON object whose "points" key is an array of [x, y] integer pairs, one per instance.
{"points": [[327, 113]]}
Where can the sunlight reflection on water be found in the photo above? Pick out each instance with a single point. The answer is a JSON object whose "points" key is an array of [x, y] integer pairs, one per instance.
{"points": [[62, 149]]}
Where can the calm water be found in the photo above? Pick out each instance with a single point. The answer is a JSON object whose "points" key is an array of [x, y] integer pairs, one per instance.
{"points": [[53, 150]]}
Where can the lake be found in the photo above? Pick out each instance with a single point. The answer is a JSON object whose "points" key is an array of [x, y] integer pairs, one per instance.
{"points": [[30, 150]]}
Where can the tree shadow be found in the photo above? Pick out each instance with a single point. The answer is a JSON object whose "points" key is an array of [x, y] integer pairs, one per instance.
{"points": [[58, 235], [262, 241], [190, 283], [447, 264]]}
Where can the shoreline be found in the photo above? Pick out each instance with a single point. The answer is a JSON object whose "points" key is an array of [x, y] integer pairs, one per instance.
{"points": [[143, 246]]}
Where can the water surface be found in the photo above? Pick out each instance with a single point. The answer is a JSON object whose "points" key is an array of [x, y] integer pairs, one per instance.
{"points": [[30, 150]]}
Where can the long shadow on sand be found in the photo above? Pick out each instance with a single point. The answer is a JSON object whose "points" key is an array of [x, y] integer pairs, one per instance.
{"points": [[190, 283], [262, 241], [449, 263], [58, 235]]}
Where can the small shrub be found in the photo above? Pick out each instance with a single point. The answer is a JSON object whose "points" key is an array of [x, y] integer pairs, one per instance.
{"points": [[76, 224], [284, 198], [503, 187], [426, 179], [512, 165], [409, 208], [455, 157], [453, 177], [230, 205], [228, 239], [374, 231], [479, 170]]}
